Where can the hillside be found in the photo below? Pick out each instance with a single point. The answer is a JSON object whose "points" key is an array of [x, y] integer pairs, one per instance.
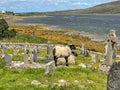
{"points": [[112, 8], [107, 8]]}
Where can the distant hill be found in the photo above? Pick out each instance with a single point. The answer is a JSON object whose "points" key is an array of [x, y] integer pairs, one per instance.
{"points": [[110, 8], [107, 8]]}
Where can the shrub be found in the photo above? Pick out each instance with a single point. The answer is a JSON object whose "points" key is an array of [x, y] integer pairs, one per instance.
{"points": [[4, 32]]}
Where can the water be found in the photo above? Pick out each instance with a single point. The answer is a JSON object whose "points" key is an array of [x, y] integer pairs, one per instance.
{"points": [[97, 25]]}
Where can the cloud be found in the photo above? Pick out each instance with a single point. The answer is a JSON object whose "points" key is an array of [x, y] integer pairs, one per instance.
{"points": [[76, 3], [81, 4], [102, 1]]}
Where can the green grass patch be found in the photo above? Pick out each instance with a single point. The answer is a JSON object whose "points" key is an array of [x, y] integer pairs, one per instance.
{"points": [[26, 38], [92, 79]]}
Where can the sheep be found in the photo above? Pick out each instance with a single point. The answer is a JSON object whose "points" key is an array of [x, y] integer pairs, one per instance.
{"points": [[63, 51], [71, 59]]}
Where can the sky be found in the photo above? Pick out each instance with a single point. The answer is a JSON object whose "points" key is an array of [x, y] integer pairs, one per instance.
{"points": [[18, 6]]}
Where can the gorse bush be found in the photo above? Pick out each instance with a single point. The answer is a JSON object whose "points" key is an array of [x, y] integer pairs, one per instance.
{"points": [[4, 32]]}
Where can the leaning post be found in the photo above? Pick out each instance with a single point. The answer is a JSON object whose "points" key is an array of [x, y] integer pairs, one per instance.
{"points": [[111, 45], [48, 50]]}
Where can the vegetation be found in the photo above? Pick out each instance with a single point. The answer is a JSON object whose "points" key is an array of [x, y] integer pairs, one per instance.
{"points": [[9, 12], [90, 79], [4, 32], [31, 14], [22, 38], [58, 36], [55, 36]]}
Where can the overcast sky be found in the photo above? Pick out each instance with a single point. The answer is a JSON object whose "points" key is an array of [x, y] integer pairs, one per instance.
{"points": [[47, 5]]}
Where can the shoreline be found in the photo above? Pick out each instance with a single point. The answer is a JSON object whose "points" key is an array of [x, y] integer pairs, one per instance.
{"points": [[12, 19], [93, 37]]}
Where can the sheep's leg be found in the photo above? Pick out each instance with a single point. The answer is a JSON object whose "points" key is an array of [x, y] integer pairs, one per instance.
{"points": [[55, 59], [66, 58]]}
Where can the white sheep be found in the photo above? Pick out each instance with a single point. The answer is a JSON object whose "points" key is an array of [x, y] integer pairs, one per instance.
{"points": [[71, 59], [63, 52]]}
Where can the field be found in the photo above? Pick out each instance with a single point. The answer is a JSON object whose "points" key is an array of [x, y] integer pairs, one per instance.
{"points": [[58, 36], [76, 77]]}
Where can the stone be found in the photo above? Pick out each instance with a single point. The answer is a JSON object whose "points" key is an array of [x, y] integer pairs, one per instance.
{"points": [[35, 82], [82, 49], [86, 52], [48, 51], [110, 47], [35, 51], [62, 82], [15, 50], [33, 54], [89, 66], [17, 65], [3, 50], [93, 56], [34, 65], [113, 80], [106, 50], [81, 86], [50, 67], [8, 59], [76, 82], [55, 84], [105, 68], [101, 59], [90, 81], [82, 65], [26, 51], [114, 53]]}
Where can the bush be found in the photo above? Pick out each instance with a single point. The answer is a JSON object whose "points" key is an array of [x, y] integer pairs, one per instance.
{"points": [[4, 32]]}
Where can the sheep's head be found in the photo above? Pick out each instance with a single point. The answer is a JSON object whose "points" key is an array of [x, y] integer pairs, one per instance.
{"points": [[72, 47]]}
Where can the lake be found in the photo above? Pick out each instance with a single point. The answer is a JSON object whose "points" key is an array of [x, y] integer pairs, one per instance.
{"points": [[96, 25]]}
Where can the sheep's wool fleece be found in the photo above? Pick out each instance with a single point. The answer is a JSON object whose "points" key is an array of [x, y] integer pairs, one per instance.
{"points": [[71, 59], [62, 51]]}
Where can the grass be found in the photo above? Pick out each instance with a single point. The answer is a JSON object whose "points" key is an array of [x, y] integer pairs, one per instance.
{"points": [[92, 79], [26, 38], [12, 79]]}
